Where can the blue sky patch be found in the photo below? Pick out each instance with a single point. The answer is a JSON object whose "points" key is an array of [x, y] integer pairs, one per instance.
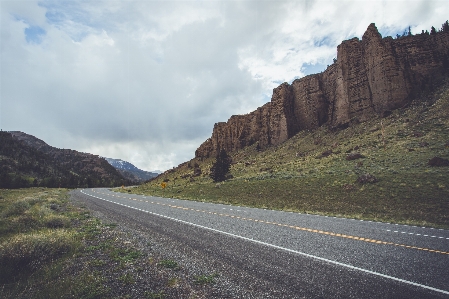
{"points": [[309, 69], [34, 34]]}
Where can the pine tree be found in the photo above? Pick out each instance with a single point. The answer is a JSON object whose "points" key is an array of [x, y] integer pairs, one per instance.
{"points": [[221, 166], [433, 31], [445, 27]]}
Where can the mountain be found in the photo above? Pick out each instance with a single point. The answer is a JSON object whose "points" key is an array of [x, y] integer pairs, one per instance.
{"points": [[131, 172], [370, 77], [28, 161]]}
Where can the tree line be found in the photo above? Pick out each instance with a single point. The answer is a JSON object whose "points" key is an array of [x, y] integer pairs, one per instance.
{"points": [[433, 30]]}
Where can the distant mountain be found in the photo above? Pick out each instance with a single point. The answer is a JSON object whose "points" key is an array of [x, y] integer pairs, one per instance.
{"points": [[27, 161], [131, 172]]}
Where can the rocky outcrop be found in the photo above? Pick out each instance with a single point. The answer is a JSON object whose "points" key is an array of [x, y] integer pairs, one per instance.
{"points": [[371, 76]]}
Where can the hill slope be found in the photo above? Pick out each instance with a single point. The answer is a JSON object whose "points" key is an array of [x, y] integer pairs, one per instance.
{"points": [[329, 172], [28, 161]]}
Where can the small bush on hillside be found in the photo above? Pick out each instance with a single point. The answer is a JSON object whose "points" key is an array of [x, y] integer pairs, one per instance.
{"points": [[16, 208], [367, 178]]}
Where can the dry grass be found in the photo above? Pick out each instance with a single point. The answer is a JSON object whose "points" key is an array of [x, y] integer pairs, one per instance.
{"points": [[37, 241]]}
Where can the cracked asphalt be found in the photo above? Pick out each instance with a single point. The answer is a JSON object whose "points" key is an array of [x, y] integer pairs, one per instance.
{"points": [[273, 254]]}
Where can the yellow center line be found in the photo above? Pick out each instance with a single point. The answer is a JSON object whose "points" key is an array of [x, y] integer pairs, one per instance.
{"points": [[373, 241]]}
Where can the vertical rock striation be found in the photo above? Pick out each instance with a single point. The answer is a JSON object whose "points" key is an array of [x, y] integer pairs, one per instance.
{"points": [[371, 76]]}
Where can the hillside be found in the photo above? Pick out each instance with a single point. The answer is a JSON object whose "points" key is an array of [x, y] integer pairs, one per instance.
{"points": [[131, 172], [28, 161], [377, 170]]}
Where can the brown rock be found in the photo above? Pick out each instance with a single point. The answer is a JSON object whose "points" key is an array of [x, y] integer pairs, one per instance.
{"points": [[371, 76], [438, 162], [326, 153], [197, 171], [367, 178], [354, 156]]}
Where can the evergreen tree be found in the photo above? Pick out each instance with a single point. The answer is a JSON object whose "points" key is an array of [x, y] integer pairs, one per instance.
{"points": [[433, 31], [221, 166], [445, 27]]}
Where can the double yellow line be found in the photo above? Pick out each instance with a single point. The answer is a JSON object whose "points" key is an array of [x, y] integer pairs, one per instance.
{"points": [[292, 226]]}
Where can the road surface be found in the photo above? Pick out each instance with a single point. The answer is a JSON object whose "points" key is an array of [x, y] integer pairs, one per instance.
{"points": [[293, 255]]}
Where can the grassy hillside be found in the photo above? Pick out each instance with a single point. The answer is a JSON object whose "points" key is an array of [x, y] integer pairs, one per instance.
{"points": [[311, 173]]}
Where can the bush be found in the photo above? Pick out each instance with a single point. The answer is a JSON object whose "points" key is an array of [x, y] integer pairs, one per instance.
{"points": [[56, 221], [16, 208], [367, 178], [438, 162], [30, 250], [354, 156]]}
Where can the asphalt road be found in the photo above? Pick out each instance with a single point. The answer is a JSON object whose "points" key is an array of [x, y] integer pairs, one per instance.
{"points": [[292, 255]]}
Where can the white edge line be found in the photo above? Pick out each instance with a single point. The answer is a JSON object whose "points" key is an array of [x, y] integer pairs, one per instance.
{"points": [[291, 250]]}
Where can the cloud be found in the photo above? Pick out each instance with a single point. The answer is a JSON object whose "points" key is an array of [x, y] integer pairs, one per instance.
{"points": [[145, 81]]}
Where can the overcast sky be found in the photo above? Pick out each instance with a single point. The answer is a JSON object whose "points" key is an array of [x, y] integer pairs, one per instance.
{"points": [[145, 81]]}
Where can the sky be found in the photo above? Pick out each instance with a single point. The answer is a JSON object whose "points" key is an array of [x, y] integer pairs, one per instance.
{"points": [[145, 81]]}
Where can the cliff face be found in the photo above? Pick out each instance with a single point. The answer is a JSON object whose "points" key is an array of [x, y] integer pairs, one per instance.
{"points": [[371, 76]]}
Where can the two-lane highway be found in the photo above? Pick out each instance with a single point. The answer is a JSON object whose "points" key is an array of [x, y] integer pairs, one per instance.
{"points": [[327, 256]]}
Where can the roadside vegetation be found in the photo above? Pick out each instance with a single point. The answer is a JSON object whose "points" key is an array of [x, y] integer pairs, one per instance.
{"points": [[391, 169], [53, 248]]}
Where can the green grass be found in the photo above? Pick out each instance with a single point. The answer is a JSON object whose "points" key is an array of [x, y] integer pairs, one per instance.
{"points": [[37, 241], [152, 295], [124, 255], [127, 278], [294, 176], [169, 264], [205, 279]]}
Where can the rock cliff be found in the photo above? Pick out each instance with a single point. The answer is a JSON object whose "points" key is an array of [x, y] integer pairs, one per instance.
{"points": [[371, 76]]}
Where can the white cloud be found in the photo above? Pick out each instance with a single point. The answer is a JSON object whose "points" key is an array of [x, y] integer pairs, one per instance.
{"points": [[145, 81]]}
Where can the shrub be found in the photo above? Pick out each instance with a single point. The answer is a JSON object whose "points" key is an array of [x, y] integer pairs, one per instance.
{"points": [[16, 208], [169, 264], [56, 221], [366, 178], [354, 156], [438, 162], [30, 250], [206, 279]]}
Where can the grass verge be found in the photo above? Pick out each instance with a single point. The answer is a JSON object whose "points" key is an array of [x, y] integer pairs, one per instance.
{"points": [[40, 234]]}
